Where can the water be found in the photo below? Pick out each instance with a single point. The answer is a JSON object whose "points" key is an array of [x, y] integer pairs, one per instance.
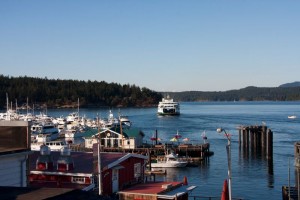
{"points": [[252, 178]]}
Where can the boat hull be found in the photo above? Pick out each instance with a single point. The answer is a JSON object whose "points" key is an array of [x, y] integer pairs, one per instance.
{"points": [[168, 164]]}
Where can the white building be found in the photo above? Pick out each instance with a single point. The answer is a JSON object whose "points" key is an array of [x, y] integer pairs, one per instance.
{"points": [[128, 139]]}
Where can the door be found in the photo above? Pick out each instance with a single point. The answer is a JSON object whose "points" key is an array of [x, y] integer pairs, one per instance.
{"points": [[115, 180]]}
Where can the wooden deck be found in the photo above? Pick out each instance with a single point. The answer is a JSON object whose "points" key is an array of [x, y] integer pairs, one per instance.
{"points": [[189, 152]]}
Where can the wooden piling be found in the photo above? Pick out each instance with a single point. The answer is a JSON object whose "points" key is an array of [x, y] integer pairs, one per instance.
{"points": [[259, 139], [269, 144]]}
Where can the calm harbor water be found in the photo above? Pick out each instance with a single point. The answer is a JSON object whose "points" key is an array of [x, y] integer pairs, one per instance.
{"points": [[252, 177]]}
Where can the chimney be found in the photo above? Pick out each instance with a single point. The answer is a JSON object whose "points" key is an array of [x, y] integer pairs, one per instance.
{"points": [[44, 161], [65, 161]]}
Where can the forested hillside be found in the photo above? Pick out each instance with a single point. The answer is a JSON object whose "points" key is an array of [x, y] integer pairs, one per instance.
{"points": [[65, 93], [245, 94]]}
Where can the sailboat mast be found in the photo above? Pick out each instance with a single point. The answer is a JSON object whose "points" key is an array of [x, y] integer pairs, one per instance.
{"points": [[6, 102]]}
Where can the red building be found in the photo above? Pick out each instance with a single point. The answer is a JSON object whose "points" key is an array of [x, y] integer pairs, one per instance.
{"points": [[119, 170], [63, 169], [79, 170]]}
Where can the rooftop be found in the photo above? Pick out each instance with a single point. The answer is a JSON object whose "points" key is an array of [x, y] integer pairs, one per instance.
{"points": [[83, 161], [25, 193], [151, 188]]}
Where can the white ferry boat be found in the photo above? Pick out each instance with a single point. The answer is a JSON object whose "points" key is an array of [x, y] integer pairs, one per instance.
{"points": [[168, 107]]}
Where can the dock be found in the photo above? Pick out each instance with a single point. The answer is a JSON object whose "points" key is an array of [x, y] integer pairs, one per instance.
{"points": [[188, 152]]}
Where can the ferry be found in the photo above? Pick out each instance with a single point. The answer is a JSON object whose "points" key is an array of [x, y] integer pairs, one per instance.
{"points": [[168, 107]]}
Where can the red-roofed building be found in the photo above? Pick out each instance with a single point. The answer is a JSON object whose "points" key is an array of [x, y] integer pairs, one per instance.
{"points": [[120, 170], [63, 169], [79, 170]]}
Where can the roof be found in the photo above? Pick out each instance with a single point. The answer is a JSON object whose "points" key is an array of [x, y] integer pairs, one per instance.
{"points": [[83, 162], [90, 132], [110, 160], [150, 188], [127, 132], [132, 132], [162, 190], [25, 193]]}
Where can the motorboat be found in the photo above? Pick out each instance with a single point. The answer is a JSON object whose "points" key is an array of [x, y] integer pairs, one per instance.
{"points": [[53, 145], [125, 121], [44, 131], [292, 116], [170, 160], [168, 107], [72, 133]]}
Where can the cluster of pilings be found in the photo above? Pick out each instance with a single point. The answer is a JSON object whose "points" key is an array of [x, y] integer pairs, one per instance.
{"points": [[257, 139]]}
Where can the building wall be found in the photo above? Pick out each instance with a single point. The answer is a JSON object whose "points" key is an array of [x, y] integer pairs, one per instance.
{"points": [[13, 170], [14, 148], [60, 178], [127, 175]]}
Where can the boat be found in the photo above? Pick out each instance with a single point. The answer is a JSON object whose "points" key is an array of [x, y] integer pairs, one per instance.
{"points": [[73, 133], [53, 145], [170, 160], [125, 121], [44, 131], [292, 116], [168, 107]]}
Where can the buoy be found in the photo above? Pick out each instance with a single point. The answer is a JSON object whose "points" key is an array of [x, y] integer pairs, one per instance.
{"points": [[225, 193], [185, 180]]}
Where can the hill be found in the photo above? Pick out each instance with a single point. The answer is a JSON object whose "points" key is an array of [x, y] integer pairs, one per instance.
{"points": [[245, 94], [67, 93], [293, 84]]}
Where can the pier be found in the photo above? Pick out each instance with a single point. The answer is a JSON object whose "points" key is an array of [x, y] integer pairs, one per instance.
{"points": [[189, 152]]}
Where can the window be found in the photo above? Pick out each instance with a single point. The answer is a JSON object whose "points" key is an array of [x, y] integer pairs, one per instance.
{"points": [[137, 170], [77, 179]]}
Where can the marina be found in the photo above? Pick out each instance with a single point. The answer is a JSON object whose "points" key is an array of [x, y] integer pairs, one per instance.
{"points": [[210, 171]]}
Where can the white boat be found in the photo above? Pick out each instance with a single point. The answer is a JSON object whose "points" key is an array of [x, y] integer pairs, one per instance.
{"points": [[53, 145], [44, 131], [72, 133], [125, 121], [292, 116], [168, 107], [170, 160]]}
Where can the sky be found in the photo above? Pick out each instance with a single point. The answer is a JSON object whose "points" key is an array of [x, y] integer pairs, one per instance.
{"points": [[164, 45]]}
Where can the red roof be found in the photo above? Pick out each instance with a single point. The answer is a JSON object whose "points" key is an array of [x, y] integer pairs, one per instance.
{"points": [[150, 188], [83, 161], [108, 158]]}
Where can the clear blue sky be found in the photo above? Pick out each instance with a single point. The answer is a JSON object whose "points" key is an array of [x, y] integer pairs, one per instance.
{"points": [[164, 45]]}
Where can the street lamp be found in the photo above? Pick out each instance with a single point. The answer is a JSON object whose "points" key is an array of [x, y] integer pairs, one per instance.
{"points": [[228, 148]]}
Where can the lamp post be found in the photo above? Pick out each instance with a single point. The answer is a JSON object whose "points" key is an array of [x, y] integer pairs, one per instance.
{"points": [[228, 148]]}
